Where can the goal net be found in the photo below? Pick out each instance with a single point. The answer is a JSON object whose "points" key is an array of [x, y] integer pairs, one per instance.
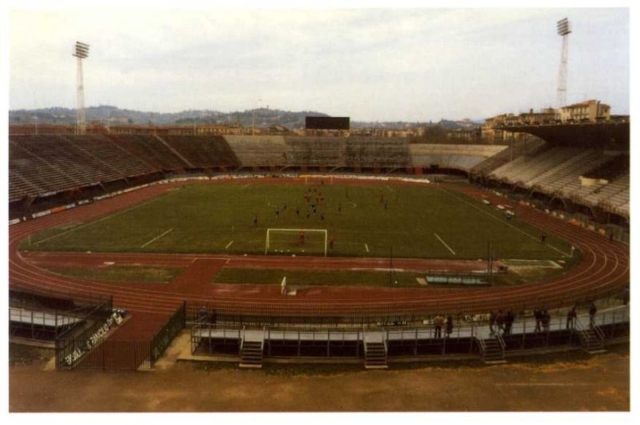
{"points": [[296, 241]]}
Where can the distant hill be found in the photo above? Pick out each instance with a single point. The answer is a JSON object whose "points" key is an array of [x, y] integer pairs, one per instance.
{"points": [[264, 117]]}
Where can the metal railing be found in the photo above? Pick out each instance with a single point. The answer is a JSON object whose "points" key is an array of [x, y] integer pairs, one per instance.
{"points": [[358, 315], [166, 334], [523, 336]]}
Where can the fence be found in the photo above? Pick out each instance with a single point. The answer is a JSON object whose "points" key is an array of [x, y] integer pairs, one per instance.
{"points": [[118, 356], [370, 315], [76, 342], [406, 341], [89, 349], [163, 338], [42, 325]]}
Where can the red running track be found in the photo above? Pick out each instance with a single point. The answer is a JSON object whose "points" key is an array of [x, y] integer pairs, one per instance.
{"points": [[603, 270]]}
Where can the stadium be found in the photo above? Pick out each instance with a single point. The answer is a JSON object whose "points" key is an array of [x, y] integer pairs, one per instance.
{"points": [[320, 246], [211, 260]]}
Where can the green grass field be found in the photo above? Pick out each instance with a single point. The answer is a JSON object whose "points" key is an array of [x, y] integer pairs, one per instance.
{"points": [[425, 222]]}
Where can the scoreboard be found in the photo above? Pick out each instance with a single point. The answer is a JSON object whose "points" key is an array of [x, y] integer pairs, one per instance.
{"points": [[327, 123]]}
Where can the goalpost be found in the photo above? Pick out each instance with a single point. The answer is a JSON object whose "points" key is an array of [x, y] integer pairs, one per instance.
{"points": [[296, 241]]}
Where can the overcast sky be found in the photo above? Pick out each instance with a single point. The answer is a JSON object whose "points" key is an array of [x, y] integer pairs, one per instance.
{"points": [[371, 64]]}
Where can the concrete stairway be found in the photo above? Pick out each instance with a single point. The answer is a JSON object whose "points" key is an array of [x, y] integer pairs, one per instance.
{"points": [[375, 355], [591, 341], [491, 350]]}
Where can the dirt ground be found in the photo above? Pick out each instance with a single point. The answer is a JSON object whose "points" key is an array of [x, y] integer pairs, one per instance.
{"points": [[559, 382]]}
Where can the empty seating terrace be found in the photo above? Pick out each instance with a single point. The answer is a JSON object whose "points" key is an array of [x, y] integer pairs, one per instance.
{"points": [[203, 151], [149, 149], [315, 152], [460, 157], [523, 169], [377, 153], [50, 164], [558, 171], [116, 162], [259, 151]]}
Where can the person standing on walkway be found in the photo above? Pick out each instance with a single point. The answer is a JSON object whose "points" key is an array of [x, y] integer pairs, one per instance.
{"points": [[571, 318], [500, 321], [449, 326], [203, 314], [537, 314], [508, 323], [592, 315], [546, 320], [492, 321], [438, 321]]}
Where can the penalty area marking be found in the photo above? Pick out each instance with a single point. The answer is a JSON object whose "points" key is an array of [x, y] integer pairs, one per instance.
{"points": [[157, 237], [228, 245], [443, 243]]}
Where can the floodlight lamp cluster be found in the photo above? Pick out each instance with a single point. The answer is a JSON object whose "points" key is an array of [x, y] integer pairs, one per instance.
{"points": [[82, 50], [563, 27]]}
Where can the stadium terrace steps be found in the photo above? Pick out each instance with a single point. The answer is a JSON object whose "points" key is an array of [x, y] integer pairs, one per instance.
{"points": [[558, 170], [55, 163], [40, 173], [203, 151], [508, 153], [482, 151], [315, 151], [259, 151], [539, 164], [19, 187], [117, 162], [611, 169], [465, 163], [569, 184], [47, 164], [377, 153], [564, 168], [149, 148]]}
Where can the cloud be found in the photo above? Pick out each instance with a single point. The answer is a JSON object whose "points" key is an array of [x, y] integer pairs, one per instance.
{"points": [[367, 63]]}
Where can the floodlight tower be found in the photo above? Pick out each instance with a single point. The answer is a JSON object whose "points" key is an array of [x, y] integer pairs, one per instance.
{"points": [[81, 52], [563, 30]]}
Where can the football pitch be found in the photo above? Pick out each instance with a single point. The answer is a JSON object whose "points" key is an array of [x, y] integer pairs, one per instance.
{"points": [[369, 221]]}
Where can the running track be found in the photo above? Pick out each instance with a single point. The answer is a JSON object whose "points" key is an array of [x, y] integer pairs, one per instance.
{"points": [[604, 269]]}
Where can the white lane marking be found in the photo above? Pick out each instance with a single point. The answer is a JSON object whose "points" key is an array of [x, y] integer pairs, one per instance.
{"points": [[157, 237], [443, 243], [228, 245], [366, 247]]}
